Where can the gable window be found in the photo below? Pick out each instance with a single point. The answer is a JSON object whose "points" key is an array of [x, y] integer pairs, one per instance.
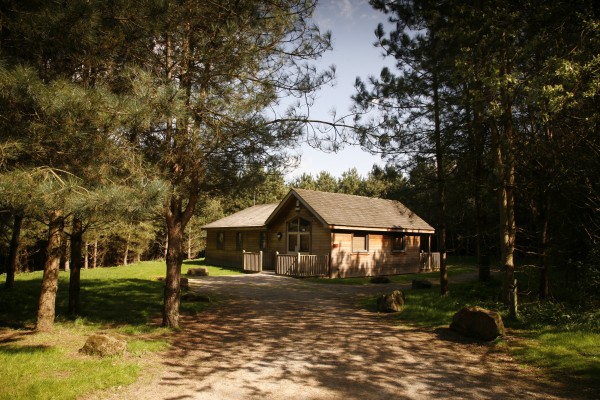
{"points": [[239, 241], [220, 240], [298, 235], [262, 240], [399, 242], [360, 242]]}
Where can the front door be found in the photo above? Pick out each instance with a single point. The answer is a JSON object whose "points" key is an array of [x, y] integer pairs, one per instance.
{"points": [[298, 231]]}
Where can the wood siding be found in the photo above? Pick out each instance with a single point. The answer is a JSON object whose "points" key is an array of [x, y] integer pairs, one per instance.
{"points": [[229, 256], [320, 236], [378, 260]]}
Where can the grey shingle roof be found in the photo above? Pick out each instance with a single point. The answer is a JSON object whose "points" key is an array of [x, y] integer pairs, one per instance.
{"points": [[337, 209], [253, 217]]}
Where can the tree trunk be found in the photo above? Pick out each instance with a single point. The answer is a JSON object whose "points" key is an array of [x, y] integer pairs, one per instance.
{"points": [[86, 261], [47, 303], [505, 164], [174, 261], [189, 249], [75, 275], [126, 252], [441, 187], [95, 254], [176, 221], [544, 285], [14, 250]]}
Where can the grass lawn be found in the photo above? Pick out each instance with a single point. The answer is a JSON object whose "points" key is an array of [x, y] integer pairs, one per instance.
{"points": [[126, 300], [569, 352]]}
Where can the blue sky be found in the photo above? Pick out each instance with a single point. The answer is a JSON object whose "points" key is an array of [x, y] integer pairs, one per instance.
{"points": [[352, 23]]}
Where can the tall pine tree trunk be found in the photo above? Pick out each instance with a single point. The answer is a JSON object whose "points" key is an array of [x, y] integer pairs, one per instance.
{"points": [[86, 261], [14, 250], [95, 254], [544, 285], [441, 186], [47, 302], [126, 251], [75, 275], [176, 222]]}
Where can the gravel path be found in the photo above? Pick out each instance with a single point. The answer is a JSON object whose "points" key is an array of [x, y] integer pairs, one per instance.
{"points": [[281, 338]]}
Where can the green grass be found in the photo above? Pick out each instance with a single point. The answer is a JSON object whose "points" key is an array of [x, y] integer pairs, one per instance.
{"points": [[558, 352], [563, 343], [126, 300]]}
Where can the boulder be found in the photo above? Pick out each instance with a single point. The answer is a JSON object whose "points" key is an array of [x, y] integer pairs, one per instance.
{"points": [[195, 297], [184, 283], [201, 271], [380, 279], [103, 345], [478, 323], [421, 284], [392, 302]]}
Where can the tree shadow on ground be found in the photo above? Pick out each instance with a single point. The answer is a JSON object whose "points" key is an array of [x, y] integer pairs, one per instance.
{"points": [[279, 337]]}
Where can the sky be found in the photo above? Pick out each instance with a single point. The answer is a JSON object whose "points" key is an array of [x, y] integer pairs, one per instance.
{"points": [[352, 24]]}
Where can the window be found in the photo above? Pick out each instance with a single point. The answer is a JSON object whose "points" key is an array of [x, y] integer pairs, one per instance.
{"points": [[262, 240], [399, 242], [239, 241], [220, 240], [360, 242], [298, 235]]}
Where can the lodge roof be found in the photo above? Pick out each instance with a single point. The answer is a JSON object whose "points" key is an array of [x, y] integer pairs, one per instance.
{"points": [[253, 217], [341, 211], [337, 210]]}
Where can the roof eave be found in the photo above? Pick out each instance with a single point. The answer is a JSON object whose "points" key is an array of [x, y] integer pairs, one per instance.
{"points": [[380, 229]]}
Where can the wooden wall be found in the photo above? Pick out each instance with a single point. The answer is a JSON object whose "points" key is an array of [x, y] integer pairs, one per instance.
{"points": [[320, 243], [379, 260], [229, 256]]}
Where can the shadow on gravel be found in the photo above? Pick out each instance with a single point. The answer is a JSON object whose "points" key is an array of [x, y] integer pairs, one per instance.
{"points": [[280, 338]]}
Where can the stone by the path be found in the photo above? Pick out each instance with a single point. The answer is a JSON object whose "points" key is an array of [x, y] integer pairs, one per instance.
{"points": [[201, 271], [103, 345], [195, 297], [380, 279], [421, 284], [392, 302], [478, 323]]}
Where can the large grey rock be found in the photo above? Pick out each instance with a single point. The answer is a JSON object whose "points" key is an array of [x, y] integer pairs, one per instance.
{"points": [[200, 271], [103, 345], [478, 323], [392, 302]]}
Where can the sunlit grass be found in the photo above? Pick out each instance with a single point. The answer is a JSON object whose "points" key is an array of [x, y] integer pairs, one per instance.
{"points": [[124, 300]]}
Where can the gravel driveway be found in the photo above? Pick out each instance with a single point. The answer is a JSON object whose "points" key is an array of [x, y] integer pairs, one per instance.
{"points": [[274, 337]]}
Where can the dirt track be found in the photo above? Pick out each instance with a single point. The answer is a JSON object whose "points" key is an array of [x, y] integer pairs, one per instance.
{"points": [[282, 338]]}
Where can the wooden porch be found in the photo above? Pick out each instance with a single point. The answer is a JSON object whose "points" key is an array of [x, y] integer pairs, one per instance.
{"points": [[302, 265], [430, 262]]}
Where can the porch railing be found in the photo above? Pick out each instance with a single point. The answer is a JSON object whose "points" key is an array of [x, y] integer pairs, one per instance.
{"points": [[253, 261], [430, 261], [302, 265]]}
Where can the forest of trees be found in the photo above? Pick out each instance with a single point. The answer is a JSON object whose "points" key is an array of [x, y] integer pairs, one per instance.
{"points": [[127, 125]]}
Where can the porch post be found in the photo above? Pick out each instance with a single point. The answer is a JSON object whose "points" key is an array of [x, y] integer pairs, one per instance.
{"points": [[260, 261]]}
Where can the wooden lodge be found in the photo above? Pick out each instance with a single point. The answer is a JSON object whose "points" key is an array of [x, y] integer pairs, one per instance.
{"points": [[312, 233]]}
